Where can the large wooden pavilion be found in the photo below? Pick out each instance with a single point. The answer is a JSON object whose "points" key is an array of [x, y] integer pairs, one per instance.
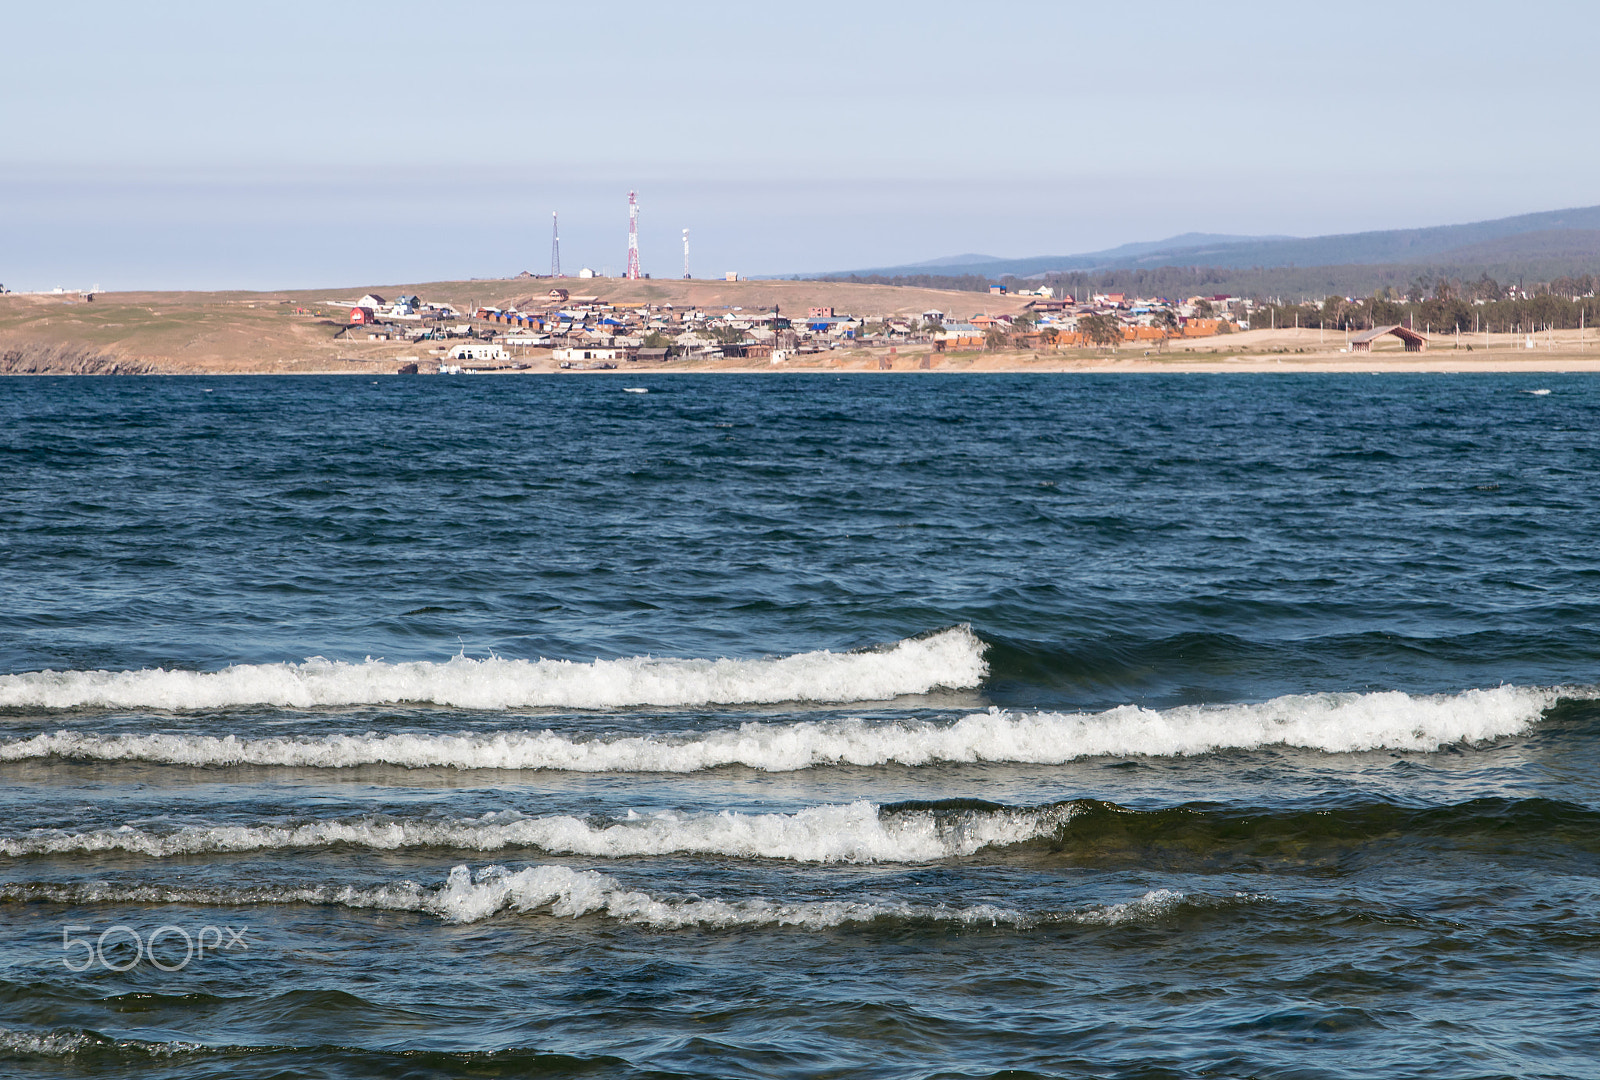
{"points": [[1414, 342]]}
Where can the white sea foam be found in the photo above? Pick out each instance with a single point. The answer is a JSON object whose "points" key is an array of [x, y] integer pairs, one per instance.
{"points": [[67, 1043], [561, 891], [1336, 723], [853, 833], [951, 658], [1153, 904], [43, 1043]]}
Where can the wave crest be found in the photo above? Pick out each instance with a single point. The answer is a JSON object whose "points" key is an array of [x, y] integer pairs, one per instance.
{"points": [[858, 832], [560, 891], [951, 658], [1334, 723]]}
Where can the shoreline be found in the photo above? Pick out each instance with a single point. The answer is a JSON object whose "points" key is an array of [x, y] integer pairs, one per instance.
{"points": [[999, 365], [292, 333]]}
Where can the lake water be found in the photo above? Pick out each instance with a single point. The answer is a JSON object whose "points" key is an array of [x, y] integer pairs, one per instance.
{"points": [[800, 726]]}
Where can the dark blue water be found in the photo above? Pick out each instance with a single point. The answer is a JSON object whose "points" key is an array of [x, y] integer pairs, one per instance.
{"points": [[800, 726]]}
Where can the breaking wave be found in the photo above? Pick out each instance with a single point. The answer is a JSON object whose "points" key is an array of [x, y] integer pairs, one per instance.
{"points": [[43, 1043], [1335, 723], [951, 658], [855, 833], [63, 1043], [1082, 830], [561, 891]]}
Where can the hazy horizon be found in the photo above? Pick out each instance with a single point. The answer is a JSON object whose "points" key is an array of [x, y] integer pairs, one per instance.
{"points": [[214, 148]]}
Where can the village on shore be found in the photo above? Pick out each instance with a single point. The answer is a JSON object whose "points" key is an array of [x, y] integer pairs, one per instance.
{"points": [[531, 325], [585, 332]]}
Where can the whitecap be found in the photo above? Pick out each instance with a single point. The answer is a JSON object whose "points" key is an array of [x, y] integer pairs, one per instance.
{"points": [[857, 832], [1334, 723], [563, 892], [951, 658]]}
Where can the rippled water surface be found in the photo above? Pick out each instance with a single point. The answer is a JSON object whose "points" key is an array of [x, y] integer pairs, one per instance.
{"points": [[800, 726]]}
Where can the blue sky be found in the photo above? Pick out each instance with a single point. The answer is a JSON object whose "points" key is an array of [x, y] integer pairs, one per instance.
{"points": [[299, 144]]}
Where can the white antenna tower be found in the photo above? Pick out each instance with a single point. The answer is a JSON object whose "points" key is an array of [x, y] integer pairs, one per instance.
{"points": [[686, 254], [555, 245], [633, 273]]}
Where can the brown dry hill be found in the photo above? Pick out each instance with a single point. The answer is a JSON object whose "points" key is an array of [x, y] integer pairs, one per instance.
{"points": [[790, 297], [220, 332], [226, 332]]}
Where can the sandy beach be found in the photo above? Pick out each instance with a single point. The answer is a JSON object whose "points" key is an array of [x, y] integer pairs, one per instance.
{"points": [[1256, 351]]}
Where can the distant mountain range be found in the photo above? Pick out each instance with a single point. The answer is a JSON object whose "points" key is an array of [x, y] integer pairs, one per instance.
{"points": [[1549, 244]]}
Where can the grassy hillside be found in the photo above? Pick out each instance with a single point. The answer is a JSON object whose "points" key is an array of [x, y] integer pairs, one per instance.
{"points": [[261, 332]]}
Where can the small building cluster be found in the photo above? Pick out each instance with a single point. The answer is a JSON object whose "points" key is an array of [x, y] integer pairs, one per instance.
{"points": [[588, 332], [373, 309], [1051, 322]]}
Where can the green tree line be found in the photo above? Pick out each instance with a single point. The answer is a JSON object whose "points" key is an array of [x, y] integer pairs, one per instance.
{"points": [[1436, 314]]}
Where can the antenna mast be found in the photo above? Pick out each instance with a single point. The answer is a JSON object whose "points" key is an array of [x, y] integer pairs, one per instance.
{"points": [[633, 239], [686, 254], [555, 245]]}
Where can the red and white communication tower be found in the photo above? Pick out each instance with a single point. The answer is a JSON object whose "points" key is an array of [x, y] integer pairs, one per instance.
{"points": [[633, 273]]}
